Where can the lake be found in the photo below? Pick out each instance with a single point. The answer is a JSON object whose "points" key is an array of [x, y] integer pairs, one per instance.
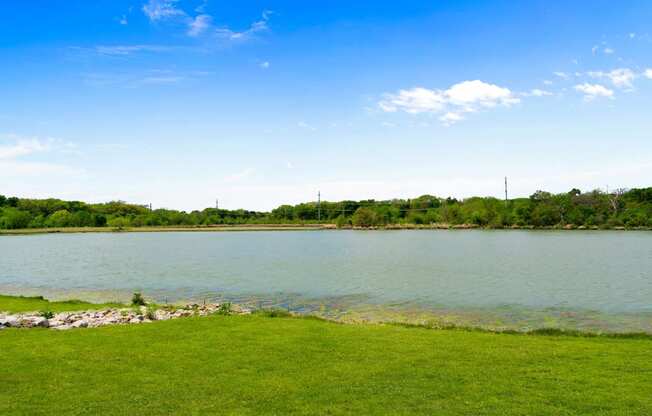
{"points": [[572, 279]]}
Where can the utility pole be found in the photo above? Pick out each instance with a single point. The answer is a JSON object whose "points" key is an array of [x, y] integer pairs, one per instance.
{"points": [[319, 206], [217, 204], [150, 207], [505, 190]]}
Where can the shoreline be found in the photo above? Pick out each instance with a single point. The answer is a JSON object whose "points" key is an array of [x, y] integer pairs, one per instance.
{"points": [[303, 227], [29, 312]]}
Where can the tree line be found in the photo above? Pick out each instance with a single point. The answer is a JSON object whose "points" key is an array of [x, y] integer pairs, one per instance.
{"points": [[620, 208]]}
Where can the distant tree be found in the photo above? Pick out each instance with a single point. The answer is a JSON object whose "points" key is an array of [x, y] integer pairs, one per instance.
{"points": [[61, 218], [342, 222], [12, 218], [364, 217]]}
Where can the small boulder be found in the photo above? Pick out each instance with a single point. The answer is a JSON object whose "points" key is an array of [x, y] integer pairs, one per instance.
{"points": [[79, 324], [10, 321]]}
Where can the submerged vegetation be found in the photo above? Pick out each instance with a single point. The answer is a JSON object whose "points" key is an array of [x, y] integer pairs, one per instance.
{"points": [[596, 209]]}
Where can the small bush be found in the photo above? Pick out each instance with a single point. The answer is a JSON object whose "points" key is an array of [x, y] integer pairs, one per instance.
{"points": [[224, 309], [46, 314], [274, 313], [150, 313], [138, 300]]}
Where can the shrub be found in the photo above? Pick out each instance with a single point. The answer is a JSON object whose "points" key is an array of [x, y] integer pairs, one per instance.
{"points": [[224, 309], [342, 222], [364, 217], [274, 313], [151, 313], [46, 314], [138, 299]]}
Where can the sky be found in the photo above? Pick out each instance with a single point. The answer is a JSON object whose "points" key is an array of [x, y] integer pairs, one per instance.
{"points": [[262, 103]]}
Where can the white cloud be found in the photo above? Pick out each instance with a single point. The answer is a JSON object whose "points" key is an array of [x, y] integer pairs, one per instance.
{"points": [[162, 9], [257, 26], [306, 126], [159, 10], [199, 24], [472, 93], [414, 101], [547, 82], [289, 165], [16, 147], [124, 50], [539, 93], [648, 73], [264, 65], [621, 77], [23, 147], [451, 118], [561, 75], [463, 97], [592, 91], [161, 80], [123, 20], [536, 92], [608, 51]]}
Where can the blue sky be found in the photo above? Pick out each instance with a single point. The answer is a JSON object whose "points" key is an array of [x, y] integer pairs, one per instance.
{"points": [[256, 103]]}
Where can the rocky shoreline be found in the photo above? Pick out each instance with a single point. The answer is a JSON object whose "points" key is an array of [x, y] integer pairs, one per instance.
{"points": [[114, 316]]}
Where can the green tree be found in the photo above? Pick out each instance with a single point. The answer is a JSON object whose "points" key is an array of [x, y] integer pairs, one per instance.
{"points": [[364, 217]]}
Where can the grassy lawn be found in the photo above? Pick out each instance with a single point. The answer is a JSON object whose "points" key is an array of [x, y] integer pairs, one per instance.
{"points": [[250, 365], [37, 303]]}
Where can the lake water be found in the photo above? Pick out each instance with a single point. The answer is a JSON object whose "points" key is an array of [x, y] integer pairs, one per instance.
{"points": [[595, 280]]}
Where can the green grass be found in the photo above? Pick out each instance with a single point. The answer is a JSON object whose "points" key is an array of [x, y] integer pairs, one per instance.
{"points": [[38, 303], [251, 365]]}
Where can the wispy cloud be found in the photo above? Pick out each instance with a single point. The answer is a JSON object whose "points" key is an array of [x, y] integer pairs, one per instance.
{"points": [[461, 98], [18, 146], [264, 65], [124, 50], [132, 80], [621, 77], [157, 10], [199, 24], [306, 126], [255, 27], [592, 91], [161, 10], [14, 148], [602, 48], [536, 92], [648, 73], [161, 80]]}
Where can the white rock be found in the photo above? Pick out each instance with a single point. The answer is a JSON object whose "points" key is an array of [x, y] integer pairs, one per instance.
{"points": [[79, 324], [11, 321], [62, 327]]}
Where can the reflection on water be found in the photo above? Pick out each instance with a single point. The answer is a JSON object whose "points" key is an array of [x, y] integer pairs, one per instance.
{"points": [[598, 281]]}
